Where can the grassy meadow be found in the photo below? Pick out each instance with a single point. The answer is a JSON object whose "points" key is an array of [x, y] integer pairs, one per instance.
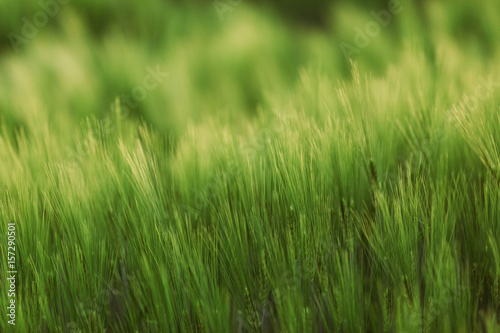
{"points": [[250, 166]]}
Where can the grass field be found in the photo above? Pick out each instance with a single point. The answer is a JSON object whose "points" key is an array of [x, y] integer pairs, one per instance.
{"points": [[243, 166]]}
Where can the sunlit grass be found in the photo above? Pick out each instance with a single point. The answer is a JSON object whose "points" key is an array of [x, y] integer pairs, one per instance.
{"points": [[268, 184]]}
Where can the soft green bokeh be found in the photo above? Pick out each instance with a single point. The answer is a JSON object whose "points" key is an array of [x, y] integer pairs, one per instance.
{"points": [[268, 183]]}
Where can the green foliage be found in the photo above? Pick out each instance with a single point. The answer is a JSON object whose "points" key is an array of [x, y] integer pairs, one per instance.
{"points": [[264, 184]]}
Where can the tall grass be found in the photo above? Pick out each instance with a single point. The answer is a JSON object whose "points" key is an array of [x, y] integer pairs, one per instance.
{"points": [[267, 185]]}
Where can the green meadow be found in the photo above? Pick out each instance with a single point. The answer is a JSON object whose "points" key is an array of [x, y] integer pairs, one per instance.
{"points": [[250, 166]]}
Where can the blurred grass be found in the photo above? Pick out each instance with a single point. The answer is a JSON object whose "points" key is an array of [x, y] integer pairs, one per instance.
{"points": [[268, 183]]}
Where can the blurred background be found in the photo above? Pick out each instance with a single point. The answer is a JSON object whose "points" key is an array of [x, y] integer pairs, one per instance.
{"points": [[206, 74], [61, 61]]}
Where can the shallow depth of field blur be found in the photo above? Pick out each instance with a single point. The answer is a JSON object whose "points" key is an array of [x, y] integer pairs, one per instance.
{"points": [[251, 166]]}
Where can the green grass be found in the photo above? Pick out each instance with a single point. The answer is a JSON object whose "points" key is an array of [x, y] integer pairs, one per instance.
{"points": [[267, 184]]}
